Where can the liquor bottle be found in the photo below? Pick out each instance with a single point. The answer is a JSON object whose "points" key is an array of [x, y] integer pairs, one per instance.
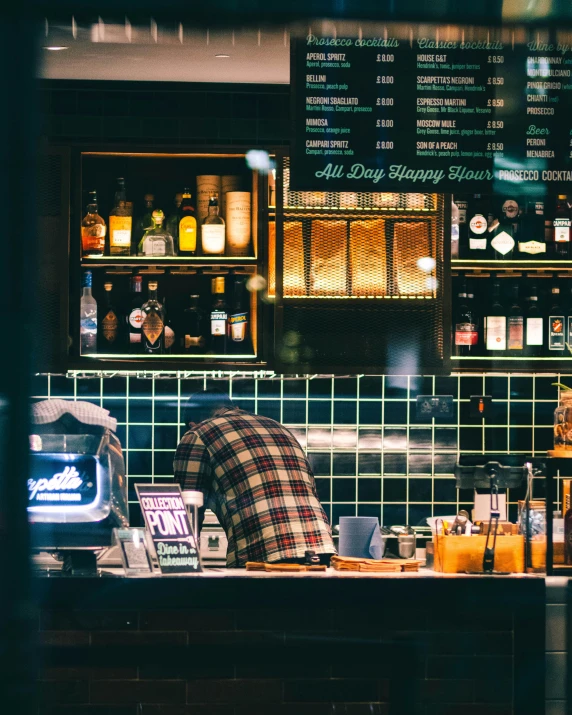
{"points": [[120, 223], [134, 316], [454, 229], [219, 317], [531, 239], [153, 325], [478, 224], [534, 329], [462, 207], [87, 317], [109, 338], [568, 310], [213, 230], [93, 229], [238, 318], [173, 219], [556, 325], [515, 325], [170, 336], [144, 222], [157, 241], [192, 340], [561, 224], [502, 231], [187, 227], [466, 331], [495, 324]]}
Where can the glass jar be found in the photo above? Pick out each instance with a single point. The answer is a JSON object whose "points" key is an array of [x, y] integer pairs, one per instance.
{"points": [[563, 422]]}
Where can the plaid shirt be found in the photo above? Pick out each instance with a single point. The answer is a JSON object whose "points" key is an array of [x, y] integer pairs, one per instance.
{"points": [[260, 485]]}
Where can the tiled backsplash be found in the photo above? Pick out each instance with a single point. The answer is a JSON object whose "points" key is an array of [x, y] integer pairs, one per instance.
{"points": [[369, 452]]}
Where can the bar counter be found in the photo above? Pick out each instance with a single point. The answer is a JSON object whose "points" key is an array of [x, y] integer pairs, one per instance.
{"points": [[231, 642]]}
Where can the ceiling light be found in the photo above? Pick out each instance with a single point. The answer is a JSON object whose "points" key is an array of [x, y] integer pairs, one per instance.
{"points": [[56, 48], [222, 56]]}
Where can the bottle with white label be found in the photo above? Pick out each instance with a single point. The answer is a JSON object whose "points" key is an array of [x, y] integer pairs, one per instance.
{"points": [[157, 241], [495, 324], [515, 340], [562, 224], [213, 230], [502, 230], [556, 325], [477, 232], [534, 328], [219, 318], [531, 239]]}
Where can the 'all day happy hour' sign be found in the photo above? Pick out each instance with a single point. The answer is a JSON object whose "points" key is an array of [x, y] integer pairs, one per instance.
{"points": [[168, 524]]}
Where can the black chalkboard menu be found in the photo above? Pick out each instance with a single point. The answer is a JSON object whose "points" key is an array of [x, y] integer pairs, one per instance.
{"points": [[424, 114]]}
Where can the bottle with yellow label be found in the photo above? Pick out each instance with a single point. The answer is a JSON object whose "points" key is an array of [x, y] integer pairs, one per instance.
{"points": [[187, 227], [120, 223]]}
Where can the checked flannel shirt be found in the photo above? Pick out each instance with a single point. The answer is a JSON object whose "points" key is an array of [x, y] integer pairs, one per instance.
{"points": [[257, 480]]}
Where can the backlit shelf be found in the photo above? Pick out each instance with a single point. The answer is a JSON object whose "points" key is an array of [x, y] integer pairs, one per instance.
{"points": [[508, 358], [141, 357], [155, 260]]}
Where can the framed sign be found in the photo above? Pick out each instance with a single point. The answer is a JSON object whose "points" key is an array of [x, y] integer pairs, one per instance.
{"points": [[169, 528], [133, 549], [432, 110]]}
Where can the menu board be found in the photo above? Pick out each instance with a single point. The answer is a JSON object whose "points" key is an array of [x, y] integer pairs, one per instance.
{"points": [[430, 115]]}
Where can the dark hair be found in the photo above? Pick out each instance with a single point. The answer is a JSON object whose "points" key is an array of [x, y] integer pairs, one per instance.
{"points": [[203, 404]]}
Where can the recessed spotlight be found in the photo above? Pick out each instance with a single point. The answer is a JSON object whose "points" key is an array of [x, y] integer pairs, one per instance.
{"points": [[56, 48], [222, 56]]}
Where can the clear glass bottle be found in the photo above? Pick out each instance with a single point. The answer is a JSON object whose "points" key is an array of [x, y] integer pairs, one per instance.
{"points": [[153, 325], [213, 230], [187, 227], [120, 223], [157, 241], [87, 317], [93, 229]]}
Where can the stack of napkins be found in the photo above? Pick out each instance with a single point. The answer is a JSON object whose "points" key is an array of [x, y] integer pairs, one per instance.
{"points": [[350, 563]]}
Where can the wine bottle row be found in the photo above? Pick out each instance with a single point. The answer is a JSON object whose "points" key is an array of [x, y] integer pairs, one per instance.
{"points": [[511, 228], [144, 325], [512, 320]]}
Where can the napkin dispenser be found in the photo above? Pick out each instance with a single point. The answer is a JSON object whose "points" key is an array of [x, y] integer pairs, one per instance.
{"points": [[400, 542]]}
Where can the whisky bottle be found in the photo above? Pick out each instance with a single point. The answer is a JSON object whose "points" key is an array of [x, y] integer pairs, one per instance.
{"points": [[213, 230], [193, 341], [87, 317], [135, 316], [515, 325], [187, 227], [173, 219], [219, 317], [466, 335], [153, 326], [157, 241], [534, 333], [93, 229], [562, 224], [120, 223], [144, 222], [495, 324], [109, 325], [238, 319], [556, 325]]}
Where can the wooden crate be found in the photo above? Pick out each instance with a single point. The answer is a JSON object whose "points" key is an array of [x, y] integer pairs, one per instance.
{"points": [[457, 554]]}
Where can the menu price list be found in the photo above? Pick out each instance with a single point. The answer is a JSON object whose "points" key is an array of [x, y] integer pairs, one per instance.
{"points": [[383, 114]]}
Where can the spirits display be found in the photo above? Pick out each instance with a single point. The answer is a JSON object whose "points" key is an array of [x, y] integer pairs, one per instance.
{"points": [[134, 315], [120, 223], [187, 229], [157, 241], [93, 229], [238, 317], [219, 317], [109, 325], [192, 340], [213, 230], [87, 317], [153, 325]]}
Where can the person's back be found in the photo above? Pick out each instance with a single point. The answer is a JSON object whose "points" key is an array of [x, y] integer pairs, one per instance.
{"points": [[260, 484]]}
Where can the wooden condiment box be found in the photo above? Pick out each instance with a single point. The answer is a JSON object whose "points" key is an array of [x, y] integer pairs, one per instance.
{"points": [[457, 554]]}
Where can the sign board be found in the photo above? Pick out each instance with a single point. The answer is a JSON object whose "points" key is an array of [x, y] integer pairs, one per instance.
{"points": [[169, 528], [133, 551], [449, 112]]}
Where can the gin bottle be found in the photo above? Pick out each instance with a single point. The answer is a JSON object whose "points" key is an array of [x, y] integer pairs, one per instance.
{"points": [[157, 241], [87, 317]]}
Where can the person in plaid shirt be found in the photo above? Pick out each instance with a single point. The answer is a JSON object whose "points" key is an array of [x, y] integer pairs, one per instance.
{"points": [[256, 478]]}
